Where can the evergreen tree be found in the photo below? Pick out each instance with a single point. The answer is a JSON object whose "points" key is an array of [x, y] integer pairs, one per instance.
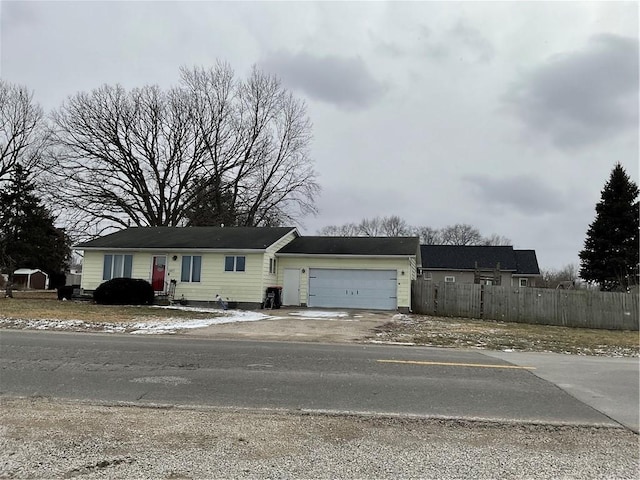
{"points": [[28, 236], [610, 254]]}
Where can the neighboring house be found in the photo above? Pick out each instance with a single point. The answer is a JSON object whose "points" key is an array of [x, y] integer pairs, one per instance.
{"points": [[240, 263], [30, 278], [489, 265]]}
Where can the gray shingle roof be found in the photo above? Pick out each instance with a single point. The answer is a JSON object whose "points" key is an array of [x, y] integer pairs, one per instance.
{"points": [[527, 262], [241, 238], [373, 246], [455, 257]]}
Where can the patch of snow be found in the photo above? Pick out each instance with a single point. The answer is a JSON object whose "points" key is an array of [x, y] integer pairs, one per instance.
{"points": [[170, 325], [314, 314], [407, 344]]}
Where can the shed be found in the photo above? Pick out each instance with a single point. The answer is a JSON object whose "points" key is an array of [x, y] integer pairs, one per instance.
{"points": [[31, 278]]}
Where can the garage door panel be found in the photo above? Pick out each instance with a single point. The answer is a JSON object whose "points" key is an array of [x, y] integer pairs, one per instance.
{"points": [[373, 289]]}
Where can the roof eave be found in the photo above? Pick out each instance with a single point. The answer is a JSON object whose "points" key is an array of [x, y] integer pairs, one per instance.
{"points": [[350, 255], [174, 250]]}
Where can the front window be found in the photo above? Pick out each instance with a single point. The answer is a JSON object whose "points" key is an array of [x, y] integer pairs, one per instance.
{"points": [[524, 282], [234, 264], [191, 268], [449, 279], [116, 266]]}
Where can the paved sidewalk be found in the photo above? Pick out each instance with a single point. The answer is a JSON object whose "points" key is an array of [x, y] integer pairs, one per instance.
{"points": [[609, 385]]}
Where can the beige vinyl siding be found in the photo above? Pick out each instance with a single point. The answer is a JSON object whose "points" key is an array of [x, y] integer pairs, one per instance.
{"points": [[93, 263], [271, 279], [236, 286], [353, 263]]}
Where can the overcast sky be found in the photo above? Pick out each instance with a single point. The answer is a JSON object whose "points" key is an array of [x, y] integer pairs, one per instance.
{"points": [[508, 116]]}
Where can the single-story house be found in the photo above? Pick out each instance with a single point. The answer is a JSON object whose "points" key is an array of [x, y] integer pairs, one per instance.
{"points": [[30, 278], [488, 265], [240, 263]]}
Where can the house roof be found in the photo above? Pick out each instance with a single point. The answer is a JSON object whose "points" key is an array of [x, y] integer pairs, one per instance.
{"points": [[239, 238], [527, 262], [369, 246], [456, 257], [29, 271]]}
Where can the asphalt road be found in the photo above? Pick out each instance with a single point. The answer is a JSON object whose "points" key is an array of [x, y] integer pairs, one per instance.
{"points": [[379, 379]]}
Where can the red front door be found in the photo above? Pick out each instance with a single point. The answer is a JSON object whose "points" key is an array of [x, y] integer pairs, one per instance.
{"points": [[157, 276]]}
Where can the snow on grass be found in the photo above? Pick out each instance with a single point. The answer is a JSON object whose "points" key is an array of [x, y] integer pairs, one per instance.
{"points": [[316, 314], [170, 325], [167, 325]]}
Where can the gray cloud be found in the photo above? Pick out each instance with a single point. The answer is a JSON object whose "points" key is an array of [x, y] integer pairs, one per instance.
{"points": [[582, 97], [344, 82], [17, 14], [471, 41], [459, 42], [524, 193]]}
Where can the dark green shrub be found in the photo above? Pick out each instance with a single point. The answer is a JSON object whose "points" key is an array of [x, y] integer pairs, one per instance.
{"points": [[124, 291]]}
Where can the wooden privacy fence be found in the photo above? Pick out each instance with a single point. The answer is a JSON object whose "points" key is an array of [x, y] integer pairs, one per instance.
{"points": [[569, 308]]}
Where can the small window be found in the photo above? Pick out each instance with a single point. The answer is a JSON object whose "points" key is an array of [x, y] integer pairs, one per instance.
{"points": [[191, 268], [524, 282], [449, 279], [117, 266], [234, 264], [272, 265], [427, 275], [229, 264]]}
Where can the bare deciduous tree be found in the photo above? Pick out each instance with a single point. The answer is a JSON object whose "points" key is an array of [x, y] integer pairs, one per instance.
{"points": [[565, 277], [126, 157], [496, 240], [394, 226], [149, 157], [346, 230], [428, 235], [370, 227], [22, 130], [461, 234]]}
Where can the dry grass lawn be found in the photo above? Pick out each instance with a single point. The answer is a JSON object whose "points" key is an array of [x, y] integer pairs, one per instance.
{"points": [[493, 335], [50, 308]]}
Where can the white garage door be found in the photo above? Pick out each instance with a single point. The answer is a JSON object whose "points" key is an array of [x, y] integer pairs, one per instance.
{"points": [[370, 289]]}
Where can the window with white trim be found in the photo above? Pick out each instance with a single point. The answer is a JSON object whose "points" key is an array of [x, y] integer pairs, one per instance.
{"points": [[191, 268], [234, 263], [449, 279], [524, 282], [116, 266], [272, 265]]}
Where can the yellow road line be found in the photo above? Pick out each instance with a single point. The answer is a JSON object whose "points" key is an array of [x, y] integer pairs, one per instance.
{"points": [[448, 364]]}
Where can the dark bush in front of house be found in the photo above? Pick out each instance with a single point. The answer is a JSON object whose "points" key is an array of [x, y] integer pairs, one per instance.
{"points": [[124, 291], [65, 292]]}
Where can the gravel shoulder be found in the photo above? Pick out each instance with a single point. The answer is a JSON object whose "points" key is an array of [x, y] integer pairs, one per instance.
{"points": [[41, 438]]}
